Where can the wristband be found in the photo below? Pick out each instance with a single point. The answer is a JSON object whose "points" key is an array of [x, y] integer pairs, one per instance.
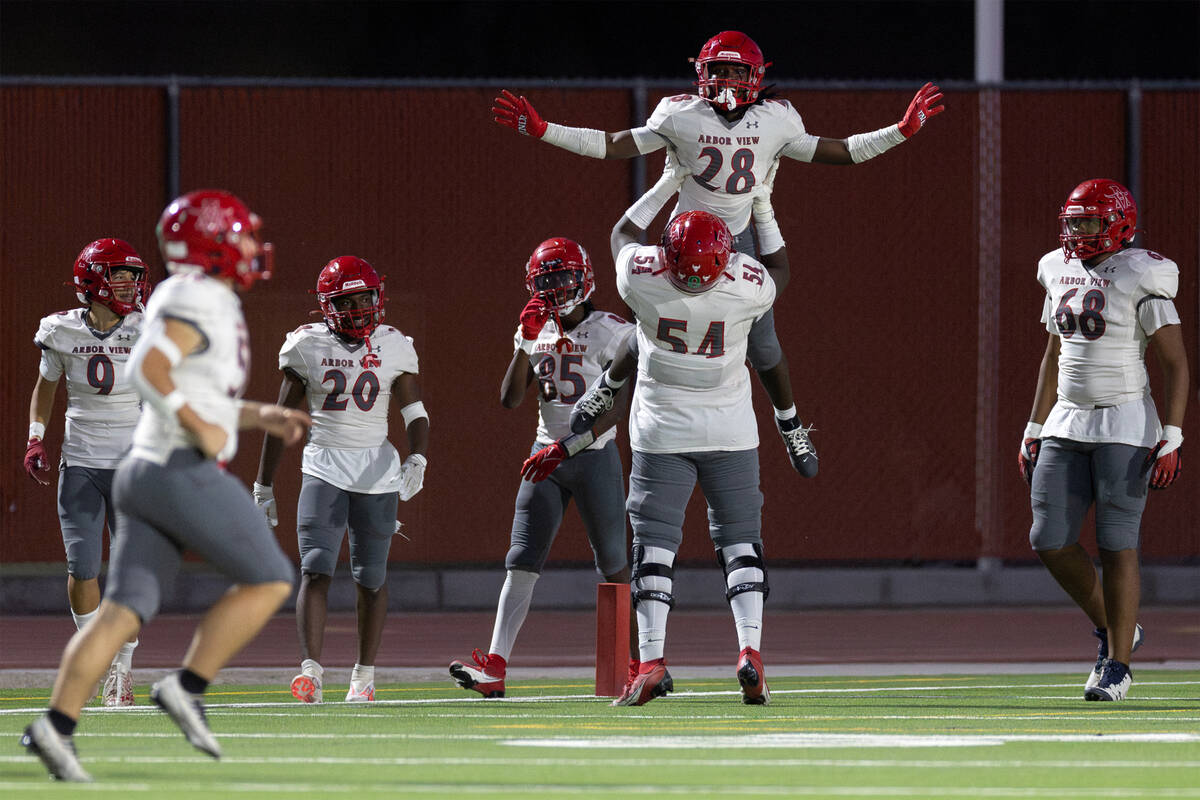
{"points": [[863, 146], [37, 430], [174, 401], [168, 348], [527, 345], [584, 141], [413, 412], [1173, 436], [1033, 430], [417, 458], [577, 442]]}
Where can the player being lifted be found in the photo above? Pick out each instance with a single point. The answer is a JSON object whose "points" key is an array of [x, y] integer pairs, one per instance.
{"points": [[728, 138], [352, 369], [584, 467], [692, 421], [1094, 436], [89, 347]]}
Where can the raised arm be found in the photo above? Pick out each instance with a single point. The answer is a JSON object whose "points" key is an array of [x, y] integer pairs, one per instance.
{"points": [[863, 146], [518, 114]]}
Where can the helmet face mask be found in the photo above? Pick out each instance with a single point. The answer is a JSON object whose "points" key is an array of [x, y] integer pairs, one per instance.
{"points": [[695, 250], [560, 273], [350, 293], [214, 232], [94, 269], [1099, 217], [730, 70]]}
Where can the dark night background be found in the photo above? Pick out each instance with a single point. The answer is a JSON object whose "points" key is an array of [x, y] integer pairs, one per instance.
{"points": [[817, 40]]}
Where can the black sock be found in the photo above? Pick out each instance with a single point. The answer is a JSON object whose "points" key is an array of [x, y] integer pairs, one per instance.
{"points": [[191, 682], [61, 722]]}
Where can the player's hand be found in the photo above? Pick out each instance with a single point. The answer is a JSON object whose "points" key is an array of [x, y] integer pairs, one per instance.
{"points": [[1031, 446], [289, 424], [210, 438], [412, 476], [533, 318], [921, 109], [539, 465], [1166, 458], [264, 498], [36, 460], [519, 114]]}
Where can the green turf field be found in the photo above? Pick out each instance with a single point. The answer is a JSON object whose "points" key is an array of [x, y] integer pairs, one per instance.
{"points": [[1000, 736]]}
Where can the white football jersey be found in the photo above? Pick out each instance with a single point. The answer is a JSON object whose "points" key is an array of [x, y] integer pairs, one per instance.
{"points": [[693, 388], [212, 378], [349, 392], [102, 405], [728, 160], [1104, 318], [563, 377]]}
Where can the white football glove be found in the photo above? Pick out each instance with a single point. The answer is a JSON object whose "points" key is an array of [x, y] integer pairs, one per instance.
{"points": [[264, 498], [412, 476]]}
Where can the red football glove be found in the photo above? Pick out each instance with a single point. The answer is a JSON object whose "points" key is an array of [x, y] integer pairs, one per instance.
{"points": [[1166, 458], [517, 113], [533, 318], [921, 109], [1027, 460], [539, 465], [36, 460]]}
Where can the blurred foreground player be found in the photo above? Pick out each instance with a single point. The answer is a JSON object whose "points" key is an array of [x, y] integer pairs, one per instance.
{"points": [[89, 346], [564, 343], [352, 369], [1094, 436], [171, 493]]}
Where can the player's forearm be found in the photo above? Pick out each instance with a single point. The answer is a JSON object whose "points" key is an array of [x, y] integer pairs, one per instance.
{"points": [[418, 436], [516, 379], [268, 461], [1176, 381], [623, 233], [41, 403]]}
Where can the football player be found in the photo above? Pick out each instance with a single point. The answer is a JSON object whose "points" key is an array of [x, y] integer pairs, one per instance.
{"points": [[171, 493], [728, 138], [563, 343], [352, 369], [1094, 436], [691, 421], [89, 347]]}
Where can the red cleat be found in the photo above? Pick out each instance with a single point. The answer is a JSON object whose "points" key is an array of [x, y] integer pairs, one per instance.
{"points": [[752, 678], [651, 681], [486, 677]]}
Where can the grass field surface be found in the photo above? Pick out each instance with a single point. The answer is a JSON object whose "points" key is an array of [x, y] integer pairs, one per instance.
{"points": [[927, 736]]}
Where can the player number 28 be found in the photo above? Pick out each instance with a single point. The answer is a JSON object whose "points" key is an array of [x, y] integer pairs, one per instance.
{"points": [[740, 181]]}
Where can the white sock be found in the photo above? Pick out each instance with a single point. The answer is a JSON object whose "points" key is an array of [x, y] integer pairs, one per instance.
{"points": [[747, 607], [124, 656], [82, 619], [362, 674], [511, 610], [783, 414], [310, 667], [651, 614]]}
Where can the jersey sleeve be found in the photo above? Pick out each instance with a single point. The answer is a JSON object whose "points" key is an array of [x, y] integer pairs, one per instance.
{"points": [[1161, 278], [624, 261], [291, 356], [52, 365], [407, 355], [662, 121], [801, 145]]}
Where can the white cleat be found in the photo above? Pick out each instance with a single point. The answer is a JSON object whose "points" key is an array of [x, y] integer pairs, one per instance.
{"points": [[1102, 654], [1114, 683], [56, 751], [306, 687], [187, 711], [361, 692], [118, 687]]}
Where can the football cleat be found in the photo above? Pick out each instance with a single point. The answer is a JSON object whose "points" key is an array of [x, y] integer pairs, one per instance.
{"points": [[1102, 653], [652, 681], [56, 751], [361, 692], [800, 448], [1114, 682], [187, 711], [118, 686], [306, 688], [486, 677], [753, 679], [594, 402]]}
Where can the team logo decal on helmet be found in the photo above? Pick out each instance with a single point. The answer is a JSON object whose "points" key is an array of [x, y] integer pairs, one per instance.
{"points": [[93, 280], [1100, 216], [695, 250], [350, 293], [214, 232], [730, 47]]}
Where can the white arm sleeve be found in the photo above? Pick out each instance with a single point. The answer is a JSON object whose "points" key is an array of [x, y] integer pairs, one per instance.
{"points": [[863, 146], [647, 141], [646, 208], [584, 141]]}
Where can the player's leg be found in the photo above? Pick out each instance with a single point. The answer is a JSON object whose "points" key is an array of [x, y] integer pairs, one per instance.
{"points": [[322, 513], [1121, 483], [118, 684], [730, 482], [537, 514], [660, 486], [596, 484], [372, 523]]}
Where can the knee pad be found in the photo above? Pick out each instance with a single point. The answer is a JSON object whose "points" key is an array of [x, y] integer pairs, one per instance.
{"points": [[319, 561], [652, 576], [748, 557], [369, 576]]}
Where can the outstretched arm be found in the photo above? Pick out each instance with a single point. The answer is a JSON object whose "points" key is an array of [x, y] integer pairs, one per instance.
{"points": [[863, 146], [518, 114]]}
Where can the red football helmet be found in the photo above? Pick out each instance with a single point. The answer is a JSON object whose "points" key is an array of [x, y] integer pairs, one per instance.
{"points": [[695, 251], [93, 269], [344, 276], [730, 47], [1099, 217], [560, 272], [212, 231]]}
